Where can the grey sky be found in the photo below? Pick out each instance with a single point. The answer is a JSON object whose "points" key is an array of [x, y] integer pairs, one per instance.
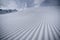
{"points": [[22, 3]]}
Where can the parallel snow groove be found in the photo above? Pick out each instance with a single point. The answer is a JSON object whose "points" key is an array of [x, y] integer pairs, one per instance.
{"points": [[35, 32], [32, 33], [10, 35], [26, 35], [48, 32], [38, 32], [53, 32], [43, 33], [57, 27], [21, 34], [6, 34], [3, 36], [56, 30]]}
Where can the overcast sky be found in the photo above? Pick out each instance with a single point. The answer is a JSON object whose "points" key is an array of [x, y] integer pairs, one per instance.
{"points": [[21, 3]]}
